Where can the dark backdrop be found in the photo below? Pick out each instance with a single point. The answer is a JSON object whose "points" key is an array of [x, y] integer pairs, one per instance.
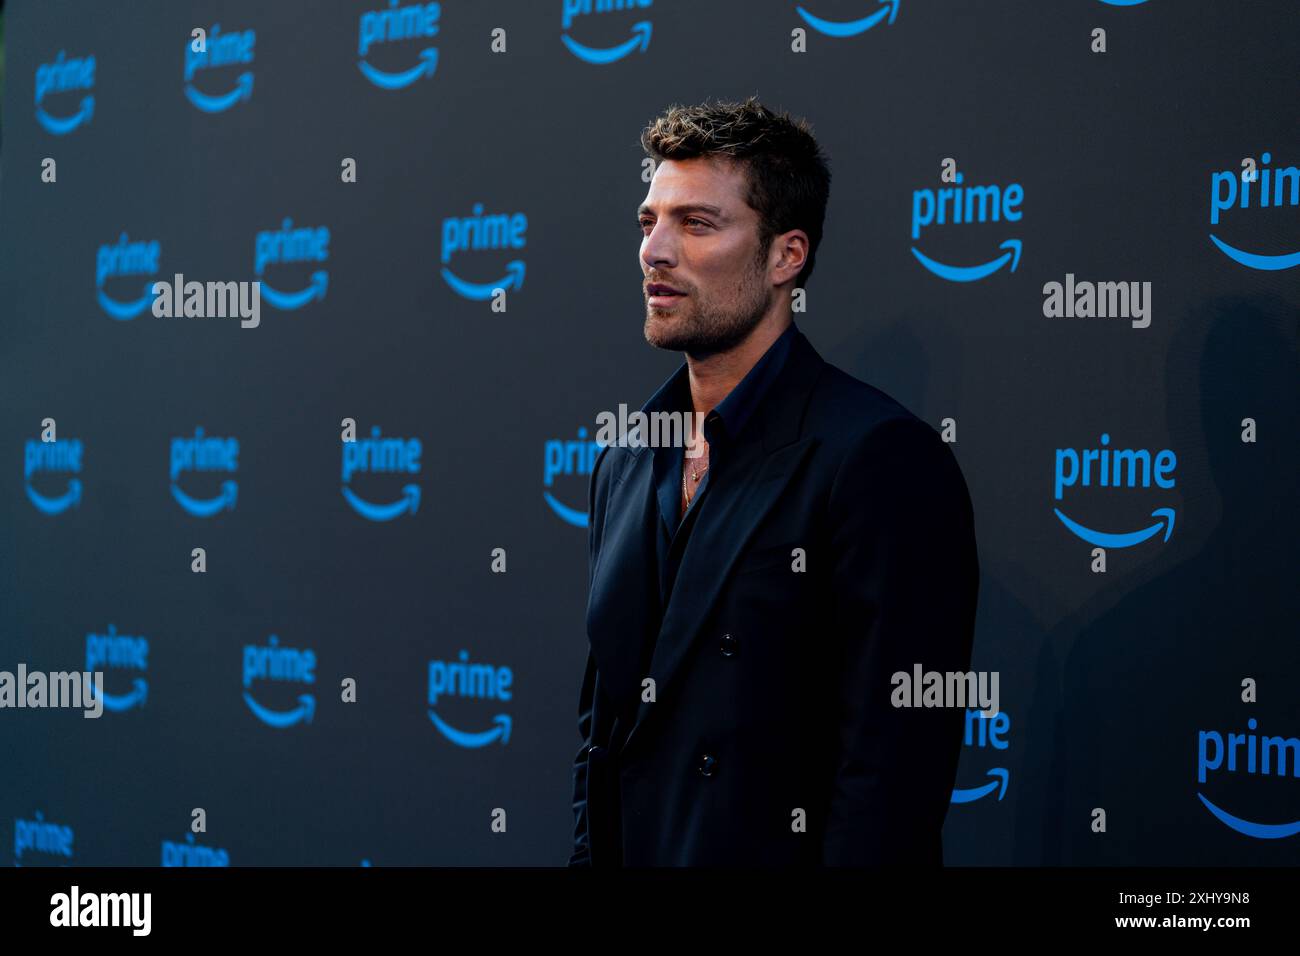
{"points": [[1107, 679]]}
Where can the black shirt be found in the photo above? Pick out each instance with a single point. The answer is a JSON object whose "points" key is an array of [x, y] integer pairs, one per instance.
{"points": [[722, 426]]}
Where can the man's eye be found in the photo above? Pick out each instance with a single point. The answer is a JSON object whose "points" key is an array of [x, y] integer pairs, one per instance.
{"points": [[642, 223]]}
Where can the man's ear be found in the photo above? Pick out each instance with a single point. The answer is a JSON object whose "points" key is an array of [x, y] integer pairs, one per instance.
{"points": [[794, 252]]}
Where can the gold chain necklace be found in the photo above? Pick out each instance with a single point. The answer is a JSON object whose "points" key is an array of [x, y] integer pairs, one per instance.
{"points": [[694, 477]]}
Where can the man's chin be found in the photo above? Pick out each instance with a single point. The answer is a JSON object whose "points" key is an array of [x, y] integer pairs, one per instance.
{"points": [[663, 333], [674, 337]]}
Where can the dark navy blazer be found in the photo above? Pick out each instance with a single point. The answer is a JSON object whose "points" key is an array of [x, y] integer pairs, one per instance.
{"points": [[771, 739]]}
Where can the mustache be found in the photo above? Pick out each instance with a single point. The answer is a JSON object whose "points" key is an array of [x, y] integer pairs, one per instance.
{"points": [[649, 282]]}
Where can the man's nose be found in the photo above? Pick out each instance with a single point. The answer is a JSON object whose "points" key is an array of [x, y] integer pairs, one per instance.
{"points": [[657, 248]]}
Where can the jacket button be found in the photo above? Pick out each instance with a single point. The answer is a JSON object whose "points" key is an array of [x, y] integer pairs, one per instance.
{"points": [[728, 645], [594, 750], [707, 764]]}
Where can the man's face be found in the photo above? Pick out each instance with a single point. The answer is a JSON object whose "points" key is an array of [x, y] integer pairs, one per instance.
{"points": [[700, 238]]}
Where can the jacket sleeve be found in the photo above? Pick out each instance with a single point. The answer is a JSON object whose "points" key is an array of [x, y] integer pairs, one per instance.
{"points": [[906, 578], [581, 855]]}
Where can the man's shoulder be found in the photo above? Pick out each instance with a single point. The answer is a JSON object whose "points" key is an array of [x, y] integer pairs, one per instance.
{"points": [[611, 461], [873, 439], [844, 410]]}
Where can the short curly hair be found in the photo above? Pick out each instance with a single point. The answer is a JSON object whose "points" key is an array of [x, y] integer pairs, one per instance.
{"points": [[789, 176]]}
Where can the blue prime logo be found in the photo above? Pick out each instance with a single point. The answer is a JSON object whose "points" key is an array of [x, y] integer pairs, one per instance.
{"points": [[568, 457], [475, 233], [51, 839], [1263, 755], [114, 651], [288, 245], [396, 24], [460, 678], [1107, 467], [66, 76], [124, 259], [986, 732], [640, 38], [190, 853], [382, 455], [284, 665], [220, 50], [959, 205], [53, 457], [205, 453], [851, 28], [1230, 190]]}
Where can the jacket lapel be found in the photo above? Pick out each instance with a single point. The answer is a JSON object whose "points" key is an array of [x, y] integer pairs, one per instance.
{"points": [[623, 604], [759, 468]]}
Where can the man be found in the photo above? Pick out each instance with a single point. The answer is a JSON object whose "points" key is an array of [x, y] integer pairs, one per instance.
{"points": [[750, 603]]}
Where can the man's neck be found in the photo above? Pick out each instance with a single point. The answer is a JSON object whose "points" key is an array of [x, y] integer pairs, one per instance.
{"points": [[713, 377]]}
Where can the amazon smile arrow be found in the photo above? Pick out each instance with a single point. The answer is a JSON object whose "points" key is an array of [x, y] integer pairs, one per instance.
{"points": [[1106, 539], [849, 28], [395, 81], [972, 273], [480, 292], [640, 38], [243, 91], [970, 795], [60, 126], [302, 713], [52, 506], [481, 739], [408, 503]]}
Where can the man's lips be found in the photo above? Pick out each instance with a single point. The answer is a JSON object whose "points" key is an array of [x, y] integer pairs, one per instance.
{"points": [[661, 294]]}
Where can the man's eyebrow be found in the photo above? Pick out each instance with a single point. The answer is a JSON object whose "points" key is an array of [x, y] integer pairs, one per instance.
{"points": [[686, 208]]}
